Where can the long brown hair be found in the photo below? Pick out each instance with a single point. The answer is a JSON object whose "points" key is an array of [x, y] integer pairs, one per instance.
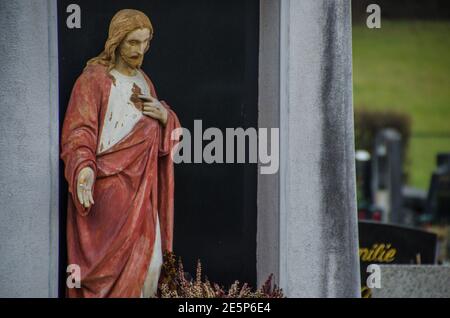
{"points": [[123, 22]]}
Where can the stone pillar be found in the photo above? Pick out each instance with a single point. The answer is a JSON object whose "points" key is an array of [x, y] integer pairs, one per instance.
{"points": [[307, 218], [28, 149]]}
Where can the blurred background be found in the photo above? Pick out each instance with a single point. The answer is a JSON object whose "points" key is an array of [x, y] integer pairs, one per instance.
{"points": [[402, 119]]}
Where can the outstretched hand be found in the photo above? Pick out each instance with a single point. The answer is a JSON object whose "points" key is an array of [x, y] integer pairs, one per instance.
{"points": [[85, 182]]}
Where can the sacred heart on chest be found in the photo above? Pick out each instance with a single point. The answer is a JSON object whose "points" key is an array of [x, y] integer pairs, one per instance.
{"points": [[137, 102]]}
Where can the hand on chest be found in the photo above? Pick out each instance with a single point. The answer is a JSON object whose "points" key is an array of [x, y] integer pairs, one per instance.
{"points": [[123, 110]]}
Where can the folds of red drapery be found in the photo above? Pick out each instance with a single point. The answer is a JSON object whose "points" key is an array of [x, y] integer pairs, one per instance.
{"points": [[112, 241]]}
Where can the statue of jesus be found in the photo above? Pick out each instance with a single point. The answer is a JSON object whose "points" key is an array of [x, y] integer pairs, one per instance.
{"points": [[116, 146]]}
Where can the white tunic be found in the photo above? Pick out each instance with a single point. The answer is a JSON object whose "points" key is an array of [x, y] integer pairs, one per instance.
{"points": [[121, 117], [154, 270], [121, 114]]}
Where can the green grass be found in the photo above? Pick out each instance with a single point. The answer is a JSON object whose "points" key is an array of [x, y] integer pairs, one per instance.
{"points": [[405, 66], [423, 158]]}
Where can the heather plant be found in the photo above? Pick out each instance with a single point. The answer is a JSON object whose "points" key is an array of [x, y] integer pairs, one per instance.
{"points": [[175, 283]]}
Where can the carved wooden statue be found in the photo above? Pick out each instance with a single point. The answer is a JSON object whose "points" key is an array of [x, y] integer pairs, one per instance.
{"points": [[116, 144]]}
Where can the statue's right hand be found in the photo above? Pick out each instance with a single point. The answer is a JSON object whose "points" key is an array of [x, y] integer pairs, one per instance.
{"points": [[85, 182]]}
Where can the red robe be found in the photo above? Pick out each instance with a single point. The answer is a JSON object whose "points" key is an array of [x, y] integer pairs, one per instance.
{"points": [[112, 241]]}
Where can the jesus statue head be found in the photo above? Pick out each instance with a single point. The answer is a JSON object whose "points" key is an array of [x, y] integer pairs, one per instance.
{"points": [[128, 40]]}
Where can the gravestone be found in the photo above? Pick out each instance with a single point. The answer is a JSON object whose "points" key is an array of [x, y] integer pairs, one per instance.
{"points": [[390, 244], [413, 281], [438, 200], [206, 70], [387, 175]]}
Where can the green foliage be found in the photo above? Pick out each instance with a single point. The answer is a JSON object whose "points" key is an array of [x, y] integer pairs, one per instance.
{"points": [[368, 123], [404, 67]]}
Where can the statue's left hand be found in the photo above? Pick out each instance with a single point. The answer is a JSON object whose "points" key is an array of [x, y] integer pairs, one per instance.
{"points": [[153, 108]]}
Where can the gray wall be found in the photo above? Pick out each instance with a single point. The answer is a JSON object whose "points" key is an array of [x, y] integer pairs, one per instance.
{"points": [[306, 72], [28, 149]]}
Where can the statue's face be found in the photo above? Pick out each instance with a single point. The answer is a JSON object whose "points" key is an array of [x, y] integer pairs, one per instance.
{"points": [[133, 47]]}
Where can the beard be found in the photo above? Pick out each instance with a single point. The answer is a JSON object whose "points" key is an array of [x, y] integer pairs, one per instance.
{"points": [[135, 62]]}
